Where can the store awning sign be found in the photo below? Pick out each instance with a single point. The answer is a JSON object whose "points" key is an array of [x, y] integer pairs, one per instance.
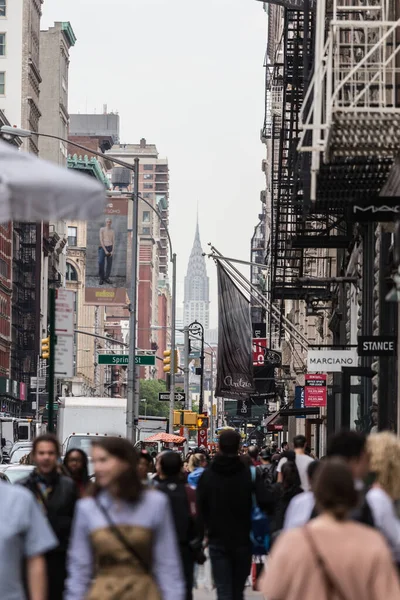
{"points": [[331, 361], [377, 345]]}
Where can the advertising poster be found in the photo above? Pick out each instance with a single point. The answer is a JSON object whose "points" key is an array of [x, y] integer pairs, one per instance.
{"points": [[106, 256], [315, 391]]}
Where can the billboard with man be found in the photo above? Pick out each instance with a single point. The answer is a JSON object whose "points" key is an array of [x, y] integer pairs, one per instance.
{"points": [[106, 255]]}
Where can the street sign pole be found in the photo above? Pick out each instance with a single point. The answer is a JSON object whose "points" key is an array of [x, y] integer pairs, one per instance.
{"points": [[53, 340]]}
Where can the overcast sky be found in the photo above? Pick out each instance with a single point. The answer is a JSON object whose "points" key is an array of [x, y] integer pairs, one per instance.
{"points": [[188, 76]]}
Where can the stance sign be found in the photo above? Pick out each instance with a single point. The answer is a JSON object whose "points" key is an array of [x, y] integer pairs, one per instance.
{"points": [[377, 345]]}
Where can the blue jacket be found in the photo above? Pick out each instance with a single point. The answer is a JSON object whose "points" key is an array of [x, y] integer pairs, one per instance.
{"points": [[194, 476]]}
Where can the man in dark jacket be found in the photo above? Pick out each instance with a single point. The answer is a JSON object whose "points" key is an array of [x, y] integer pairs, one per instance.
{"points": [[224, 498], [57, 496], [172, 482]]}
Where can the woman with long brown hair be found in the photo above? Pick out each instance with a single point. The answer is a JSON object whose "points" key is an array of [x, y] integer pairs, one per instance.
{"points": [[331, 557], [123, 542]]}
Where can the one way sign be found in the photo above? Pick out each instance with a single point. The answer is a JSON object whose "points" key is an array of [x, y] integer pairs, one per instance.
{"points": [[164, 396]]}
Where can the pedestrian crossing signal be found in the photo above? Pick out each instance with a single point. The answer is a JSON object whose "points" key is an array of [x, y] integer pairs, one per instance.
{"points": [[202, 422], [46, 348]]}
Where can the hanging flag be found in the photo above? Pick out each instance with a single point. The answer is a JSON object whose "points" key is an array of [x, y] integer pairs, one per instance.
{"points": [[235, 358]]}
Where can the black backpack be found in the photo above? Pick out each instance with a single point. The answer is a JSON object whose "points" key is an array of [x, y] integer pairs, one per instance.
{"points": [[362, 514], [267, 474]]}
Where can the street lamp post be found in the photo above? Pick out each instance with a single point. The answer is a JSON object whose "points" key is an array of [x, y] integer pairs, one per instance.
{"points": [[133, 391], [197, 330]]}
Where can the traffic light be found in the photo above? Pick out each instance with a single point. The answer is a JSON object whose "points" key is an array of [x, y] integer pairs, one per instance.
{"points": [[167, 361], [189, 418], [177, 417], [46, 348], [202, 422]]}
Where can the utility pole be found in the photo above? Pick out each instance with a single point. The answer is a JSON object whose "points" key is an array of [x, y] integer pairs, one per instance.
{"points": [[132, 412], [53, 341], [188, 402], [212, 418], [173, 357]]}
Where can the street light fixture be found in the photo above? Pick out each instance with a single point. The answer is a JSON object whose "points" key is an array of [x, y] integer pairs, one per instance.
{"points": [[132, 415]]}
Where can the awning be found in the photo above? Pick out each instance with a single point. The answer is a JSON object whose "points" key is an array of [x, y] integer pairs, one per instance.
{"points": [[168, 438]]}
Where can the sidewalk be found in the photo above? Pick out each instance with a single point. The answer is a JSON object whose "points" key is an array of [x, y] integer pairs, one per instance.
{"points": [[202, 595]]}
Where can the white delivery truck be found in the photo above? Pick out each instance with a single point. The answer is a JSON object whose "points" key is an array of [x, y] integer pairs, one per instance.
{"points": [[82, 419]]}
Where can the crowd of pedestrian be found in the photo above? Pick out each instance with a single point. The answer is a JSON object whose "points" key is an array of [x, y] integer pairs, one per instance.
{"points": [[141, 527]]}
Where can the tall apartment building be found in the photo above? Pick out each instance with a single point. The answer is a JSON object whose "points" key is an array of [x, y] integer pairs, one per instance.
{"points": [[196, 299], [154, 300], [55, 44], [19, 101]]}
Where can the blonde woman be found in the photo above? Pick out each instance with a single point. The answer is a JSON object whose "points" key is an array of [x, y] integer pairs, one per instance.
{"points": [[384, 452], [197, 464]]}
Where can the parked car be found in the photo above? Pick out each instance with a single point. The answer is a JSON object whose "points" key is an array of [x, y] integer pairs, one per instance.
{"points": [[19, 453], [19, 445], [15, 473]]}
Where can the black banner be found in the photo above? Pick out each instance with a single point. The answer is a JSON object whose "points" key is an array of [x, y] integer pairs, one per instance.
{"points": [[235, 361], [264, 380]]}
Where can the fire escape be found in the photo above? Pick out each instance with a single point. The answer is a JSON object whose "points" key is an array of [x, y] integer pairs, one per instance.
{"points": [[353, 116], [298, 241], [25, 313]]}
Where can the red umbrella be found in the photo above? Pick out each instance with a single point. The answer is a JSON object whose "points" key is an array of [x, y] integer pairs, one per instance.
{"points": [[168, 438]]}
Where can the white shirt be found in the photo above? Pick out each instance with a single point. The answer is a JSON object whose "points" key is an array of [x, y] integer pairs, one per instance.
{"points": [[302, 462], [299, 510], [385, 518]]}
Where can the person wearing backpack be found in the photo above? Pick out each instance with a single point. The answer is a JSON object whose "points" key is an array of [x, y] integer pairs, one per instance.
{"points": [[266, 467], [183, 505], [225, 495]]}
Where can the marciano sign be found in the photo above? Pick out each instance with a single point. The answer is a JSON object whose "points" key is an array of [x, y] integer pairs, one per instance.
{"points": [[331, 361]]}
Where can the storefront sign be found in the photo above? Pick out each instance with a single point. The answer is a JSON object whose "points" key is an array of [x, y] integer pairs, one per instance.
{"points": [[315, 391], [331, 361], [380, 210], [243, 408], [299, 399], [377, 345], [259, 349], [202, 437]]}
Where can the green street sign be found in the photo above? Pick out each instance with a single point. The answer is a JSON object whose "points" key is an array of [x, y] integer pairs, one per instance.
{"points": [[55, 406], [145, 360], [123, 359]]}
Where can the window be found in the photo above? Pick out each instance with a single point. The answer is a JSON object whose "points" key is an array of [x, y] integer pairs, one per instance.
{"points": [[71, 274], [148, 167], [148, 176], [2, 83], [3, 8], [148, 186], [146, 230], [3, 268], [148, 195], [2, 44], [72, 236], [146, 216]]}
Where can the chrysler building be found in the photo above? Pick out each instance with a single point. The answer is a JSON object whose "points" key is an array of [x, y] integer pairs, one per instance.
{"points": [[197, 302]]}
